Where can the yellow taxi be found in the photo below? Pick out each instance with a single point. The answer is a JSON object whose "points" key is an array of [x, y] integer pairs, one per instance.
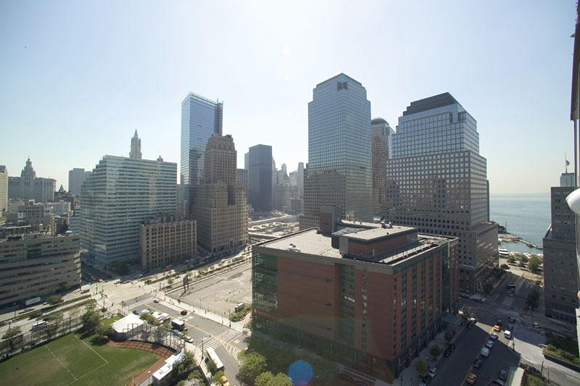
{"points": [[496, 328], [471, 378], [224, 381]]}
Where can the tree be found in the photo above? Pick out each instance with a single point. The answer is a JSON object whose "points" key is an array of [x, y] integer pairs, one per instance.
{"points": [[421, 367], [253, 364], [211, 366], [511, 260], [534, 264], [54, 299], [435, 350], [91, 319], [182, 368], [269, 379], [65, 286], [104, 332], [533, 298], [216, 377], [13, 337]]}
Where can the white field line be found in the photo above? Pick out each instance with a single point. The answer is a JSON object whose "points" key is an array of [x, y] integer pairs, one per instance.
{"points": [[90, 348], [59, 361]]}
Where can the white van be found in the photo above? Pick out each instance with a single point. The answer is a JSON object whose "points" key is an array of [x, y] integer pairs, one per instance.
{"points": [[39, 325], [507, 334]]}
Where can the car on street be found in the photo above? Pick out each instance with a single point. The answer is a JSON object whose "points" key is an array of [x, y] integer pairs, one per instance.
{"points": [[156, 301], [188, 339], [502, 375], [510, 327], [507, 334], [477, 363], [498, 323], [497, 328], [432, 372], [425, 381], [489, 343], [471, 378], [512, 320], [452, 347], [484, 352], [493, 335], [224, 381], [135, 312], [183, 312], [536, 325], [447, 353]]}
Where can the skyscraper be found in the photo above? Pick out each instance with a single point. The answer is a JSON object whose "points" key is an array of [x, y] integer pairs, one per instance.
{"points": [[260, 178], [135, 147], [200, 119], [120, 194], [560, 264], [221, 210], [339, 167], [3, 188], [437, 182], [76, 178], [381, 150], [30, 187]]}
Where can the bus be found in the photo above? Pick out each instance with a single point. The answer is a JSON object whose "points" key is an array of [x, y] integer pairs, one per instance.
{"points": [[213, 356], [178, 324], [39, 325]]}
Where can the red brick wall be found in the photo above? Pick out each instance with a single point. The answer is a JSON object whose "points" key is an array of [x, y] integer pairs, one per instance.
{"points": [[308, 296], [380, 314]]}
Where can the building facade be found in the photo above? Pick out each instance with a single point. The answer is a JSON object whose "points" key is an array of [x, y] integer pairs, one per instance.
{"points": [[34, 265], [339, 151], [560, 263], [242, 177], [381, 151], [76, 178], [119, 195], [3, 189], [369, 297], [135, 147], [260, 178], [30, 187], [164, 241], [222, 213], [437, 182]]}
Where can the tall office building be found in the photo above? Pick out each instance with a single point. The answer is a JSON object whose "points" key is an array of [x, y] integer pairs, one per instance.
{"points": [[367, 294], [200, 119], [3, 189], [30, 187], [260, 178], [560, 264], [339, 167], [119, 195], [242, 177], [438, 183], [135, 147], [76, 178], [381, 148], [222, 213]]}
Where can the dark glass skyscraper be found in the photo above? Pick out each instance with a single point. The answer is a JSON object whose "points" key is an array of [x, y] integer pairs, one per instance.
{"points": [[260, 178], [437, 182], [338, 173]]}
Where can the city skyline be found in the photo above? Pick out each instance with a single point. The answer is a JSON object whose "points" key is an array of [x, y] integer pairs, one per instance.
{"points": [[273, 84]]}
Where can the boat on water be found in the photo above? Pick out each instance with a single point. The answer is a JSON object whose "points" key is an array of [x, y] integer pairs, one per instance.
{"points": [[503, 252]]}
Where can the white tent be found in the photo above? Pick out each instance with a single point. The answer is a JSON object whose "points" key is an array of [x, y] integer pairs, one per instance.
{"points": [[126, 324]]}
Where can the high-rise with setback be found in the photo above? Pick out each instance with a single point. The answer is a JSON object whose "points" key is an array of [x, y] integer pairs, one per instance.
{"points": [[437, 182], [381, 145], [339, 167]]}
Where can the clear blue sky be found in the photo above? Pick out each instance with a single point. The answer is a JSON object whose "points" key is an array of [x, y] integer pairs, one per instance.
{"points": [[78, 77]]}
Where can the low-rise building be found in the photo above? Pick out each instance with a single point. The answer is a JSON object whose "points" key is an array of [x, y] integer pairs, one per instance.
{"points": [[35, 265], [370, 295], [165, 241]]}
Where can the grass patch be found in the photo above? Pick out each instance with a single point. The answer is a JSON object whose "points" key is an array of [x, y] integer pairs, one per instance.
{"points": [[109, 321], [241, 314], [562, 348], [532, 380], [72, 360]]}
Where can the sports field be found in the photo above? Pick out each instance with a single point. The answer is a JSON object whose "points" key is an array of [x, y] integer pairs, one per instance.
{"points": [[71, 360]]}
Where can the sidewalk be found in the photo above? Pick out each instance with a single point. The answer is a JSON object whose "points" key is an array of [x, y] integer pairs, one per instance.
{"points": [[409, 376]]}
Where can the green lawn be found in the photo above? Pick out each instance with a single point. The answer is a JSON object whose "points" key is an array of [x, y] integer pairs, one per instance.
{"points": [[73, 361]]}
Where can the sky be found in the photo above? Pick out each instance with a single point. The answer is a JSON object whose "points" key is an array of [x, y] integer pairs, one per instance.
{"points": [[77, 78]]}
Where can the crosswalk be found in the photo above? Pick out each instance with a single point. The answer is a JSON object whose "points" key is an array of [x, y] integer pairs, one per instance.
{"points": [[225, 339]]}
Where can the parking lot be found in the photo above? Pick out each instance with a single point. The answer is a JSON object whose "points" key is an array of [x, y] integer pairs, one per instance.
{"points": [[220, 293]]}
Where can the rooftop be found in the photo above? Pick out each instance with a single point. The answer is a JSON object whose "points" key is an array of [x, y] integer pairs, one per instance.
{"points": [[338, 75], [430, 103], [378, 120]]}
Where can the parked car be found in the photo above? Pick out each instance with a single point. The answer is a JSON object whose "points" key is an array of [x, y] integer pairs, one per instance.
{"points": [[447, 353], [536, 325], [432, 372], [498, 323], [493, 335], [452, 347], [484, 352], [425, 381], [183, 312], [477, 363], [497, 328], [512, 320], [188, 339], [510, 327], [471, 378], [507, 334], [156, 301], [135, 312], [489, 343]]}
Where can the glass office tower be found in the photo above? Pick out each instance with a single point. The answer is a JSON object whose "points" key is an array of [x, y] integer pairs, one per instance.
{"points": [[260, 178], [437, 182], [200, 119], [339, 166]]}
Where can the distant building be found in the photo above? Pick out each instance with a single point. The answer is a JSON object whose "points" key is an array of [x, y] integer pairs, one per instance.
{"points": [[30, 213], [76, 178], [242, 177], [164, 241], [58, 208], [3, 189], [560, 263], [34, 265], [339, 167], [567, 180], [260, 178], [381, 150], [135, 147], [222, 213], [369, 295], [437, 182], [117, 198], [30, 187], [281, 197]]}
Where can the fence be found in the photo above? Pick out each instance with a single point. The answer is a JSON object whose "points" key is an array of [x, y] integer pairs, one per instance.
{"points": [[155, 334], [31, 339]]}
